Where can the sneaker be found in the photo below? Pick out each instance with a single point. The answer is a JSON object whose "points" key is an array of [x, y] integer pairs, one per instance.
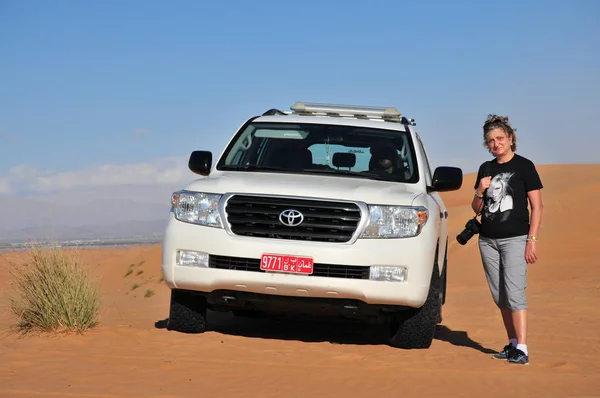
{"points": [[518, 357], [506, 352]]}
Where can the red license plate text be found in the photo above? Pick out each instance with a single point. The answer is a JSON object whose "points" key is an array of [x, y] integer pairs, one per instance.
{"points": [[284, 263]]}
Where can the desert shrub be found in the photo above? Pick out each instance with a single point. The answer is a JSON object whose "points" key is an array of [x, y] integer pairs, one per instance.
{"points": [[54, 292]]}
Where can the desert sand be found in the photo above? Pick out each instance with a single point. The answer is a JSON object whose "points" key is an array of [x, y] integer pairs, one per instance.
{"points": [[131, 354]]}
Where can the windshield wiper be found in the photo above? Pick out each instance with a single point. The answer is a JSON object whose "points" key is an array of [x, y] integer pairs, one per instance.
{"points": [[348, 173], [251, 167], [257, 167]]}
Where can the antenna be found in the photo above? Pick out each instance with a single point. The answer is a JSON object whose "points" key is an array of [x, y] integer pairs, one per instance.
{"points": [[272, 112]]}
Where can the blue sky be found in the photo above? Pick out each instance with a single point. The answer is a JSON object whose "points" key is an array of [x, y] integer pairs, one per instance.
{"points": [[120, 92]]}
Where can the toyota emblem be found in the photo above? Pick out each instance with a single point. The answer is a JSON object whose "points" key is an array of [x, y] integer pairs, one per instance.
{"points": [[291, 218]]}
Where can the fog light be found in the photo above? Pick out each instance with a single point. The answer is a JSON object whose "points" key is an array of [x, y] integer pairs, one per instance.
{"points": [[192, 259], [388, 273]]}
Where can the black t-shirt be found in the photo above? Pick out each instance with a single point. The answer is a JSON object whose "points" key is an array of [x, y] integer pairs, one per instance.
{"points": [[505, 213]]}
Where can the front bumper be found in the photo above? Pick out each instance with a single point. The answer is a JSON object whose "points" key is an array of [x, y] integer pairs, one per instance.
{"points": [[416, 254]]}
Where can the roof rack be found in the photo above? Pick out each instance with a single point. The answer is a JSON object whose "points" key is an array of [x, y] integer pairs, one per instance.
{"points": [[389, 114], [354, 111]]}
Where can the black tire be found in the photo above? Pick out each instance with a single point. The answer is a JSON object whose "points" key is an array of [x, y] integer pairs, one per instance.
{"points": [[187, 313], [415, 329]]}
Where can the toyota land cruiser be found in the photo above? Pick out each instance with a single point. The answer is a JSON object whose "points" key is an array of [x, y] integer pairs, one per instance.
{"points": [[325, 208]]}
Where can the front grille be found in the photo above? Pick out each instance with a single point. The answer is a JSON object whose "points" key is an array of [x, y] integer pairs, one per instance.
{"points": [[324, 221], [325, 270]]}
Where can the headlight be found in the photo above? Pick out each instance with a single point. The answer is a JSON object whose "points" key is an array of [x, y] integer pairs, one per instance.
{"points": [[395, 221], [197, 208]]}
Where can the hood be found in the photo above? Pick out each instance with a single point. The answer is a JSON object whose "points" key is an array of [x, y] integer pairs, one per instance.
{"points": [[313, 185]]}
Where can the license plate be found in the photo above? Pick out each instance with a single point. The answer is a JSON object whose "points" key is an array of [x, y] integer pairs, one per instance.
{"points": [[285, 263]]}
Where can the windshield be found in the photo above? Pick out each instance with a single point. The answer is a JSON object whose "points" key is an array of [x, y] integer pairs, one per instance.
{"points": [[322, 149]]}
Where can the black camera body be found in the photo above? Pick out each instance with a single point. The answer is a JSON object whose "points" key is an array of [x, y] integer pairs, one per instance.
{"points": [[472, 227]]}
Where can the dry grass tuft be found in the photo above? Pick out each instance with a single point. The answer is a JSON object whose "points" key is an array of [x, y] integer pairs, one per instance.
{"points": [[54, 292]]}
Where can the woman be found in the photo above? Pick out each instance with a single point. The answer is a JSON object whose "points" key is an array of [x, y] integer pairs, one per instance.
{"points": [[508, 236]]}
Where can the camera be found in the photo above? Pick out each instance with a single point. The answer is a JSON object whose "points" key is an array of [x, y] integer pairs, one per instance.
{"points": [[472, 227]]}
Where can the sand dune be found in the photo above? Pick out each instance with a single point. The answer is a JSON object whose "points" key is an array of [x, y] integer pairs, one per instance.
{"points": [[131, 354]]}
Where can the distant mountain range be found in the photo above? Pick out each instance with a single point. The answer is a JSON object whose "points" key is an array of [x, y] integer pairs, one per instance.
{"points": [[113, 212]]}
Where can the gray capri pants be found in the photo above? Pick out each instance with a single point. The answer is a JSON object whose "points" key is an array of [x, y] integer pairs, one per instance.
{"points": [[506, 270]]}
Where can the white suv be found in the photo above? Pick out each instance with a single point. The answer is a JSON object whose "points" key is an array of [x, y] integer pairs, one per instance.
{"points": [[324, 209]]}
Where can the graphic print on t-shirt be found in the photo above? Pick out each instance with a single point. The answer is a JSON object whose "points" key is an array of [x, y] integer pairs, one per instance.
{"points": [[499, 197], [506, 212]]}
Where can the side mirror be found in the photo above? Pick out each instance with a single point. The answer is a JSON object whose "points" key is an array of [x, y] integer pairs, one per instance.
{"points": [[200, 162], [446, 178]]}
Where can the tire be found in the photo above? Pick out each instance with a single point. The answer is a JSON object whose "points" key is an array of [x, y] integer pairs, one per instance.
{"points": [[415, 329], [187, 313]]}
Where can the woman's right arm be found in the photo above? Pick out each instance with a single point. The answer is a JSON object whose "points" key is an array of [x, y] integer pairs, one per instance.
{"points": [[477, 203]]}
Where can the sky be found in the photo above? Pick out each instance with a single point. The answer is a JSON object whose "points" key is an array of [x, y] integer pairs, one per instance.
{"points": [[109, 93]]}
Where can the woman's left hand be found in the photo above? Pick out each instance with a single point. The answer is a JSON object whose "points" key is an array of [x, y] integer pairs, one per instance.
{"points": [[530, 252]]}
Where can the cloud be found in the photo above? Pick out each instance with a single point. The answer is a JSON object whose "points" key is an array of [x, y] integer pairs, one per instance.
{"points": [[28, 179]]}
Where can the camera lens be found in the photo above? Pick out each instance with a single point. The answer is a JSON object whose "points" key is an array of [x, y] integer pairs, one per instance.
{"points": [[464, 237], [471, 228]]}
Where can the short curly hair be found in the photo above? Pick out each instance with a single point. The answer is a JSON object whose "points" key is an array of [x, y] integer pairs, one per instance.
{"points": [[494, 121]]}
